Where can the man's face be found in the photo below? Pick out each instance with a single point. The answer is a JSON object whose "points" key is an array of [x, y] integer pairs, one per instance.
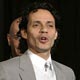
{"points": [[13, 40], [41, 31]]}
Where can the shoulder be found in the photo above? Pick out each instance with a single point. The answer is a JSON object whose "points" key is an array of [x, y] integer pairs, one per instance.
{"points": [[9, 67], [62, 66], [13, 62], [64, 69], [10, 63]]}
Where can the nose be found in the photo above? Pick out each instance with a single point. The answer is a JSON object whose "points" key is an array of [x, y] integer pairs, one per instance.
{"points": [[44, 30]]}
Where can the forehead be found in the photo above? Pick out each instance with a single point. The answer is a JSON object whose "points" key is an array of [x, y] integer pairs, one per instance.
{"points": [[41, 14], [14, 28]]}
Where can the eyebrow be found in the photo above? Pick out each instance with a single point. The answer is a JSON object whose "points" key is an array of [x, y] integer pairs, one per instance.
{"points": [[50, 22], [39, 21], [36, 21]]}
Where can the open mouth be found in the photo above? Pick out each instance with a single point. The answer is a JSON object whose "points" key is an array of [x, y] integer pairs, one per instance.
{"points": [[43, 39]]}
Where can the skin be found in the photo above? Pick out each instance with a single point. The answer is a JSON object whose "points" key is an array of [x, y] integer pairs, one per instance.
{"points": [[41, 32], [13, 41]]}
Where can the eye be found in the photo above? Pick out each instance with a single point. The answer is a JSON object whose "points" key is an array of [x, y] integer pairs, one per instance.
{"points": [[50, 25], [36, 25], [16, 37]]}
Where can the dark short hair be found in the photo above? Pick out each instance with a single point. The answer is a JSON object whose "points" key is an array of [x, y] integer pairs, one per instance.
{"points": [[33, 7]]}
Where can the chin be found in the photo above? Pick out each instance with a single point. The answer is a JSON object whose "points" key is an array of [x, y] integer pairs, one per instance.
{"points": [[43, 50]]}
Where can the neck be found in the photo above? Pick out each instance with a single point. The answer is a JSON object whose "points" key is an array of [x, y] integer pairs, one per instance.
{"points": [[44, 55]]}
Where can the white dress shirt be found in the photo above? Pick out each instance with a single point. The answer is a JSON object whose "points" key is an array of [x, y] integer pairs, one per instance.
{"points": [[39, 68]]}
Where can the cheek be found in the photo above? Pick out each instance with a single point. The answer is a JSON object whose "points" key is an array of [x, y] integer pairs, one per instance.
{"points": [[15, 43], [52, 38], [31, 38], [32, 35], [53, 34]]}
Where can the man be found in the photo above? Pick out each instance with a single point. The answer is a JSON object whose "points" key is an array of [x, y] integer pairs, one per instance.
{"points": [[13, 38], [36, 64]]}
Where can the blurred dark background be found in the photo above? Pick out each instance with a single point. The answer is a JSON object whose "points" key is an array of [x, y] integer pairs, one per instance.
{"points": [[67, 50]]}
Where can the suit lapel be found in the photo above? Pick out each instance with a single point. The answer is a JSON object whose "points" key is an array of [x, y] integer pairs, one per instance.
{"points": [[26, 69], [27, 72], [58, 72]]}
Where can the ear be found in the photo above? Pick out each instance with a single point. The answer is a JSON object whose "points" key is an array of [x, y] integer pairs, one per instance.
{"points": [[24, 34], [56, 35], [8, 39]]}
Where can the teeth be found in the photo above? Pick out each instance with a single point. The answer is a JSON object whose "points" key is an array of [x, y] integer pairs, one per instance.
{"points": [[43, 38]]}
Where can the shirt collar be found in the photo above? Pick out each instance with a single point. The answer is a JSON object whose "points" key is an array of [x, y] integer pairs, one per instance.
{"points": [[37, 60]]}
